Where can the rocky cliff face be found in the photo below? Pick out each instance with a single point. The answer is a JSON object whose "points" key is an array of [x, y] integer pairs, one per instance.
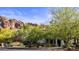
{"points": [[10, 23]]}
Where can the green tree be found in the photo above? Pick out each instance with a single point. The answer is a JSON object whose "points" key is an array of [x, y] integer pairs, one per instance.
{"points": [[35, 34], [6, 35], [64, 19]]}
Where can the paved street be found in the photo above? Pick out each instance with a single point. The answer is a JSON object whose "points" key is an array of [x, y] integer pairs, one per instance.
{"points": [[32, 49]]}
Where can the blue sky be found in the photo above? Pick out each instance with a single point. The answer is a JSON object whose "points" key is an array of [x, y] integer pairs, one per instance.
{"points": [[39, 15]]}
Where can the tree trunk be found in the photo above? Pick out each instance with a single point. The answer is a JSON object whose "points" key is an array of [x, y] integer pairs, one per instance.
{"points": [[2, 45], [56, 43], [37, 45], [49, 45]]}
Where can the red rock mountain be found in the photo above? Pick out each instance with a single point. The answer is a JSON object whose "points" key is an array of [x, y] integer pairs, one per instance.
{"points": [[10, 23]]}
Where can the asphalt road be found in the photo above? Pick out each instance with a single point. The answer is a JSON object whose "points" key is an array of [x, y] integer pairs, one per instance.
{"points": [[32, 49]]}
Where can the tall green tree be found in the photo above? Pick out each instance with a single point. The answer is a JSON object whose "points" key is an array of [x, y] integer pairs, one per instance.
{"points": [[65, 20]]}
